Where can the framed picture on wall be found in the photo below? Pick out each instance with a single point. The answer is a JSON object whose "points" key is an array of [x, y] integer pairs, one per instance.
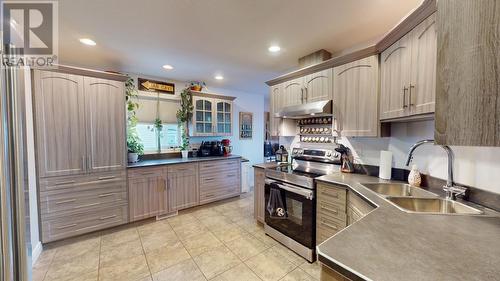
{"points": [[246, 125]]}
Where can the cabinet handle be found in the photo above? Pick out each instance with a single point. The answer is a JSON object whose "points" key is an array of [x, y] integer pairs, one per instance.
{"points": [[64, 183], [410, 100], [209, 195], [106, 178], [301, 95], [106, 195], [67, 226], [329, 210], [306, 94], [107, 217], [89, 164], [84, 162], [329, 225], [65, 201], [405, 89], [210, 179]]}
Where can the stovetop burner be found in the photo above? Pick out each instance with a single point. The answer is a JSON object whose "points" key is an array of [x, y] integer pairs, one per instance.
{"points": [[290, 170]]}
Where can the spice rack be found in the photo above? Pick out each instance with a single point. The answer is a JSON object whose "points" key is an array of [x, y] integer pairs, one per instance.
{"points": [[316, 130]]}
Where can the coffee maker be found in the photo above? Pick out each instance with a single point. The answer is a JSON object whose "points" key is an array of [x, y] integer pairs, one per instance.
{"points": [[226, 145]]}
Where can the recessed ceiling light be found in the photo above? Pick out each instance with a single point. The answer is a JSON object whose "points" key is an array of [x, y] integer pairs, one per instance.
{"points": [[219, 77], [168, 67], [88, 41], [274, 49]]}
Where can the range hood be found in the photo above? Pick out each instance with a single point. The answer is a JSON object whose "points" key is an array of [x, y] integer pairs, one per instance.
{"points": [[318, 108]]}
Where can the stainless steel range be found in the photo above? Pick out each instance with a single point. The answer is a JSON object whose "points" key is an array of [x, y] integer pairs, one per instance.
{"points": [[290, 195]]}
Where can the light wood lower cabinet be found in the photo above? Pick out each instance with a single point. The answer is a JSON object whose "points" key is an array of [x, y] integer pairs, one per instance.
{"points": [[160, 190], [337, 207], [182, 185], [74, 205], [148, 196], [219, 180], [259, 194]]}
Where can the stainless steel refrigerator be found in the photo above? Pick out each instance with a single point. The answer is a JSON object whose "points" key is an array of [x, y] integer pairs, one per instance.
{"points": [[15, 258]]}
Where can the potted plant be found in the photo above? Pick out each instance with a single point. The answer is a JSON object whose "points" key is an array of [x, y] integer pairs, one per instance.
{"points": [[184, 114], [134, 143], [197, 85]]}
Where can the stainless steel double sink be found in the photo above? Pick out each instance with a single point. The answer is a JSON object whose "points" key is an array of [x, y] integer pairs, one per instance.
{"points": [[417, 200]]}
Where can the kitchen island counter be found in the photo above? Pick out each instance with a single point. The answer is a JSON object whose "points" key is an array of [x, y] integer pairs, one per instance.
{"points": [[178, 160]]}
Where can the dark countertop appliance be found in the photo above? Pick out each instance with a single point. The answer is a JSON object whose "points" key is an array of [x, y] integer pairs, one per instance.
{"points": [[210, 148]]}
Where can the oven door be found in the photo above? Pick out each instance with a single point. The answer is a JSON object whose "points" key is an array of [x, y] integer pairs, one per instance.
{"points": [[300, 207]]}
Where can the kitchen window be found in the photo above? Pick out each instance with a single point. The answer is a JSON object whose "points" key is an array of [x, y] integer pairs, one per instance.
{"points": [[169, 136]]}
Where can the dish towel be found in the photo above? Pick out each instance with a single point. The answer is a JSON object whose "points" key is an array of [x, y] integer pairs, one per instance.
{"points": [[275, 205]]}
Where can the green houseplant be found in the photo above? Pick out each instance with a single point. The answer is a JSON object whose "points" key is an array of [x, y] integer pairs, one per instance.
{"points": [[134, 143], [184, 114]]}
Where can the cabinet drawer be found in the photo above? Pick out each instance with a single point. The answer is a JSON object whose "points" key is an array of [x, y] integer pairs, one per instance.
{"points": [[184, 169], [68, 226], [331, 224], [224, 177], [331, 209], [219, 165], [56, 183], [353, 215], [71, 200], [145, 172], [218, 194], [329, 193]]}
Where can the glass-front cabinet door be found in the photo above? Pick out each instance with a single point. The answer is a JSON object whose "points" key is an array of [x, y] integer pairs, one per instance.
{"points": [[224, 116], [203, 117]]}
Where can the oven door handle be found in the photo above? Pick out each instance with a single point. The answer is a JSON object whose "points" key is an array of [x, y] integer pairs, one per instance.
{"points": [[307, 193]]}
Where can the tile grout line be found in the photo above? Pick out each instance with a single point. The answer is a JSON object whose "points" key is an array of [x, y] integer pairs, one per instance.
{"points": [[144, 253], [99, 259]]}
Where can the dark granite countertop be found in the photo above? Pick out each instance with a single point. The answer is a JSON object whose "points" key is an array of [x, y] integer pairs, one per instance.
{"points": [[179, 160], [389, 244]]}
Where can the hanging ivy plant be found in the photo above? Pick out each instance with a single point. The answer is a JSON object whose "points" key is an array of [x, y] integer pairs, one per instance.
{"points": [[184, 114]]}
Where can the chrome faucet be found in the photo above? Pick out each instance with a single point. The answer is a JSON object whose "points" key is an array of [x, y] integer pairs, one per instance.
{"points": [[452, 190]]}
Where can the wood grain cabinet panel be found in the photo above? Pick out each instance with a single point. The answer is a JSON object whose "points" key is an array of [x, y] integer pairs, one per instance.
{"points": [[318, 86], [356, 97], [259, 194], [422, 91], [468, 73], [293, 92], [60, 124], [395, 63], [219, 179], [105, 124], [182, 185], [147, 197]]}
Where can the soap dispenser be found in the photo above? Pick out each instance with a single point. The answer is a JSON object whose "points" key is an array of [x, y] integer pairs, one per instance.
{"points": [[414, 177]]}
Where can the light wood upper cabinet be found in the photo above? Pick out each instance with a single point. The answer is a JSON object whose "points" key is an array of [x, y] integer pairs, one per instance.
{"points": [[293, 92], [356, 97], [182, 185], [318, 86], [422, 91], [223, 118], [60, 124], [408, 74], [279, 126], [212, 116], [203, 116], [105, 124], [468, 72], [395, 76]]}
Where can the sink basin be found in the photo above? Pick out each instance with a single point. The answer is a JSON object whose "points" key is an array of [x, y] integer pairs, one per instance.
{"points": [[398, 189], [432, 205]]}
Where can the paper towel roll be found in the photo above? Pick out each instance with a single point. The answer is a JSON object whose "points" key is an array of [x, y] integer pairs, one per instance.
{"points": [[385, 165]]}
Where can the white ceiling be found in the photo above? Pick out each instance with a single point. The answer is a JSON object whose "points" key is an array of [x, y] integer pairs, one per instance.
{"points": [[203, 37]]}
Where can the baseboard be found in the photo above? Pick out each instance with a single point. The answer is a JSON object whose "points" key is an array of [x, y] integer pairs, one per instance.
{"points": [[35, 252]]}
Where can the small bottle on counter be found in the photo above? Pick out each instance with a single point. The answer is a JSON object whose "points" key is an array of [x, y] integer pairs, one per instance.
{"points": [[414, 177]]}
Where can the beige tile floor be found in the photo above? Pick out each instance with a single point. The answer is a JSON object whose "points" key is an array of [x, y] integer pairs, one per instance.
{"points": [[213, 242]]}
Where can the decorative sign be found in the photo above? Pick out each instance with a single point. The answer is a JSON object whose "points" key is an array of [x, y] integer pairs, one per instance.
{"points": [[156, 86], [246, 125]]}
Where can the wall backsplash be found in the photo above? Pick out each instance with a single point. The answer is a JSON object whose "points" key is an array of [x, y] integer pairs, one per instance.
{"points": [[473, 166]]}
